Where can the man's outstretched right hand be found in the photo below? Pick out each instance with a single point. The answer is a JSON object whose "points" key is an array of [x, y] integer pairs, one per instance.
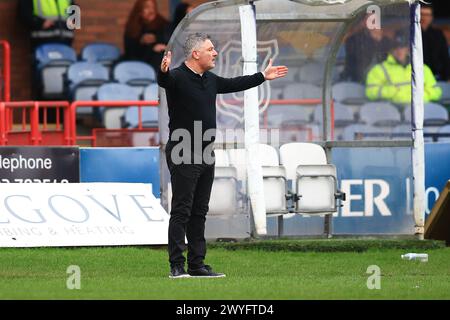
{"points": [[166, 62]]}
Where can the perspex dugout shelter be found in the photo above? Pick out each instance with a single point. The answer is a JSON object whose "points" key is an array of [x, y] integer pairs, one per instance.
{"points": [[330, 48]]}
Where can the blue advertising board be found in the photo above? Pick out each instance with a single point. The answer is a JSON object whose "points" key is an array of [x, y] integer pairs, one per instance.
{"points": [[137, 165], [377, 181], [378, 187]]}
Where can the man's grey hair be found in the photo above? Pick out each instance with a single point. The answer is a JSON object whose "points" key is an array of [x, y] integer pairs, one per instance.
{"points": [[193, 41]]}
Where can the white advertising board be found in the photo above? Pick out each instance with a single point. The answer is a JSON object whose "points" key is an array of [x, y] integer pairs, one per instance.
{"points": [[80, 214]]}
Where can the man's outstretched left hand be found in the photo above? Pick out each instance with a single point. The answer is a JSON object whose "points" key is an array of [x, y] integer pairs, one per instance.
{"points": [[273, 72]]}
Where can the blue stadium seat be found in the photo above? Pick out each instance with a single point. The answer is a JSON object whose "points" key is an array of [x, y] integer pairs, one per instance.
{"points": [[105, 53], [434, 114], [302, 91], [86, 73], [445, 86], [343, 115], [134, 73], [312, 72], [84, 80], [402, 132], [53, 60], [348, 92], [115, 92], [292, 114], [100, 52], [444, 133], [149, 114], [381, 114], [51, 52]]}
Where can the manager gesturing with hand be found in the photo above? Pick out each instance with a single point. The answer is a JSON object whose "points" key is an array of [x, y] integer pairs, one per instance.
{"points": [[191, 91]]}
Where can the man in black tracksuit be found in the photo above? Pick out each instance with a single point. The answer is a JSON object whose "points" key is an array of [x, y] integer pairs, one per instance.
{"points": [[191, 97]]}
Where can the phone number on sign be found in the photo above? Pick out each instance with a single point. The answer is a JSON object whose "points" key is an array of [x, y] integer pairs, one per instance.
{"points": [[33, 181]]}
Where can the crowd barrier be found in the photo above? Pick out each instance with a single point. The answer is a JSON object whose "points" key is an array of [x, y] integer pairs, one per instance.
{"points": [[26, 123]]}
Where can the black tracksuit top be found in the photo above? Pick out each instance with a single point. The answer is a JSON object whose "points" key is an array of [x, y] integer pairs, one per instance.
{"points": [[191, 97]]}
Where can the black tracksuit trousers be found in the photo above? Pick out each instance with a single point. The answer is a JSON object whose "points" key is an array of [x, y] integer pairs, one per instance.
{"points": [[191, 190]]}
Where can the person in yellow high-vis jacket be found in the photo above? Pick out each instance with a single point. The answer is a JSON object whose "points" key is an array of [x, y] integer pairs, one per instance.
{"points": [[391, 79], [47, 20]]}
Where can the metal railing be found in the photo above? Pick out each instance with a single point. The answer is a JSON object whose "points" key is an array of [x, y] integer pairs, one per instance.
{"points": [[109, 104], [30, 130]]}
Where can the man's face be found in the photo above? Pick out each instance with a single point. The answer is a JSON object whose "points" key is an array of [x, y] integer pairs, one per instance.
{"points": [[205, 55], [426, 17], [401, 54]]}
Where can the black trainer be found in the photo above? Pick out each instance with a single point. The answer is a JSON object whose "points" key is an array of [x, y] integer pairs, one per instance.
{"points": [[205, 272], [178, 272]]}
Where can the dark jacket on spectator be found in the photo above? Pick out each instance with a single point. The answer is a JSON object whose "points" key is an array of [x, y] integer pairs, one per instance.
{"points": [[58, 33], [361, 53], [435, 53], [134, 50]]}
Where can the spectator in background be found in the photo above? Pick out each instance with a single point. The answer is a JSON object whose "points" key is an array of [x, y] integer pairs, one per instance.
{"points": [[363, 49], [391, 79], [146, 34], [183, 8], [435, 49], [47, 21]]}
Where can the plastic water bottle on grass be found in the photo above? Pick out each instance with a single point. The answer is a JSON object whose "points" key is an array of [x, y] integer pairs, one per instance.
{"points": [[415, 256]]}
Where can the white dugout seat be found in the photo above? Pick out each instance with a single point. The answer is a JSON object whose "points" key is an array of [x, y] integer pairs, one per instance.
{"points": [[224, 193], [313, 187], [274, 176], [314, 182]]}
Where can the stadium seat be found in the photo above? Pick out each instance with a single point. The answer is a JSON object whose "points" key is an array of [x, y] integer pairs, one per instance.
{"points": [[430, 133], [380, 114], [347, 92], [149, 114], [295, 114], [274, 179], [274, 176], [134, 73], [402, 132], [224, 193], [343, 115], [302, 91], [444, 133], [115, 92], [105, 53], [237, 160], [53, 60], [445, 86], [314, 182], [407, 114], [312, 73], [360, 131], [434, 114], [84, 80]]}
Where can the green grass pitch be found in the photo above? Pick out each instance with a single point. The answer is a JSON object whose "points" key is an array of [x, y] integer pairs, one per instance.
{"points": [[297, 269]]}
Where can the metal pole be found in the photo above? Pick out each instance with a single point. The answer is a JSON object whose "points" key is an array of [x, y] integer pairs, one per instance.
{"points": [[418, 151]]}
